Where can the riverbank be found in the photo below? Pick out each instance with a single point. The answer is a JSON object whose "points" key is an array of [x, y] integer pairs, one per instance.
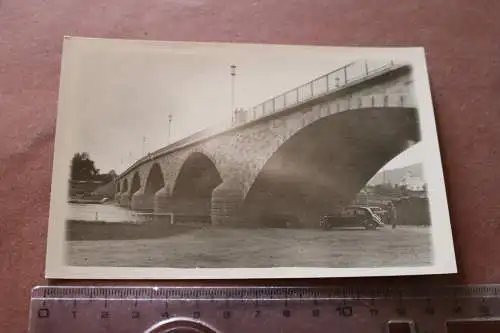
{"points": [[78, 230], [87, 201]]}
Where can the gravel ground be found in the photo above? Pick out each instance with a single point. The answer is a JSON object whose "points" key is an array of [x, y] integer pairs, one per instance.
{"points": [[237, 248]]}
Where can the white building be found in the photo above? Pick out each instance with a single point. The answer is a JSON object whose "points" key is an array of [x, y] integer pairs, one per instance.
{"points": [[412, 183]]}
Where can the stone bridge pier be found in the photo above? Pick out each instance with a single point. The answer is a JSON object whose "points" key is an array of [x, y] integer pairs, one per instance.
{"points": [[227, 204], [162, 202], [142, 201]]}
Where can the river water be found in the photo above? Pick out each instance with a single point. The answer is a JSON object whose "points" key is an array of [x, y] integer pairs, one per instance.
{"points": [[100, 212]]}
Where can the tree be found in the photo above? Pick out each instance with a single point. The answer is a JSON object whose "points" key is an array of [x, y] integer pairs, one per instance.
{"points": [[83, 168], [106, 177]]}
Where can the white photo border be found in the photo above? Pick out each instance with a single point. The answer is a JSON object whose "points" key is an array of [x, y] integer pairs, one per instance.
{"points": [[444, 261]]}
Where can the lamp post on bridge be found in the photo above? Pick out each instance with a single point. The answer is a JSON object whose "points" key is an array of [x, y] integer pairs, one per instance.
{"points": [[143, 145], [121, 164], [233, 74], [169, 126]]}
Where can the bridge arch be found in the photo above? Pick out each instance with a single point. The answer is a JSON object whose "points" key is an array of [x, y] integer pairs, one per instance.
{"points": [[322, 166], [155, 180], [125, 186], [136, 183], [192, 192]]}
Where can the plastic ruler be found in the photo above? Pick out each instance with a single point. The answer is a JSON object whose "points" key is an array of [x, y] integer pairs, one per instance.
{"points": [[423, 309]]}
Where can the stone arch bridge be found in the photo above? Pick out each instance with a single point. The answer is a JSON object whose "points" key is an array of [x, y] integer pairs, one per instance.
{"points": [[297, 156]]}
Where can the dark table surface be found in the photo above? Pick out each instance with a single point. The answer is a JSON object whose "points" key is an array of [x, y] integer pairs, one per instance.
{"points": [[461, 38]]}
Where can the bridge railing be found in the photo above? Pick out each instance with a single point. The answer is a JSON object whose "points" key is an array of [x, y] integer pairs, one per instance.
{"points": [[335, 80], [392, 100]]}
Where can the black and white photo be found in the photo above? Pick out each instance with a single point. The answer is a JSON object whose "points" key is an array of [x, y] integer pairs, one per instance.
{"points": [[222, 160]]}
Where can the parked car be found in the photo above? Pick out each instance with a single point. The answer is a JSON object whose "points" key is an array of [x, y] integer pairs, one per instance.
{"points": [[352, 216]]}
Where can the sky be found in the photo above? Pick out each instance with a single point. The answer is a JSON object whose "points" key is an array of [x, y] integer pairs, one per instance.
{"points": [[412, 155], [119, 95]]}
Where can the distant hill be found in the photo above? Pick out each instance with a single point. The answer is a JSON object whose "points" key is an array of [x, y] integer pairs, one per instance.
{"points": [[394, 176]]}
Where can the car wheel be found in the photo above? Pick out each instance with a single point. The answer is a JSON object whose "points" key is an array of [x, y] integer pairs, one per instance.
{"points": [[370, 225]]}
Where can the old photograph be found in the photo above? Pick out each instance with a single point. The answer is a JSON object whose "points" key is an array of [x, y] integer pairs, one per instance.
{"points": [[221, 160]]}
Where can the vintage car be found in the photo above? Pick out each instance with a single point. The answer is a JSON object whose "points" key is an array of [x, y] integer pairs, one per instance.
{"points": [[352, 216]]}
